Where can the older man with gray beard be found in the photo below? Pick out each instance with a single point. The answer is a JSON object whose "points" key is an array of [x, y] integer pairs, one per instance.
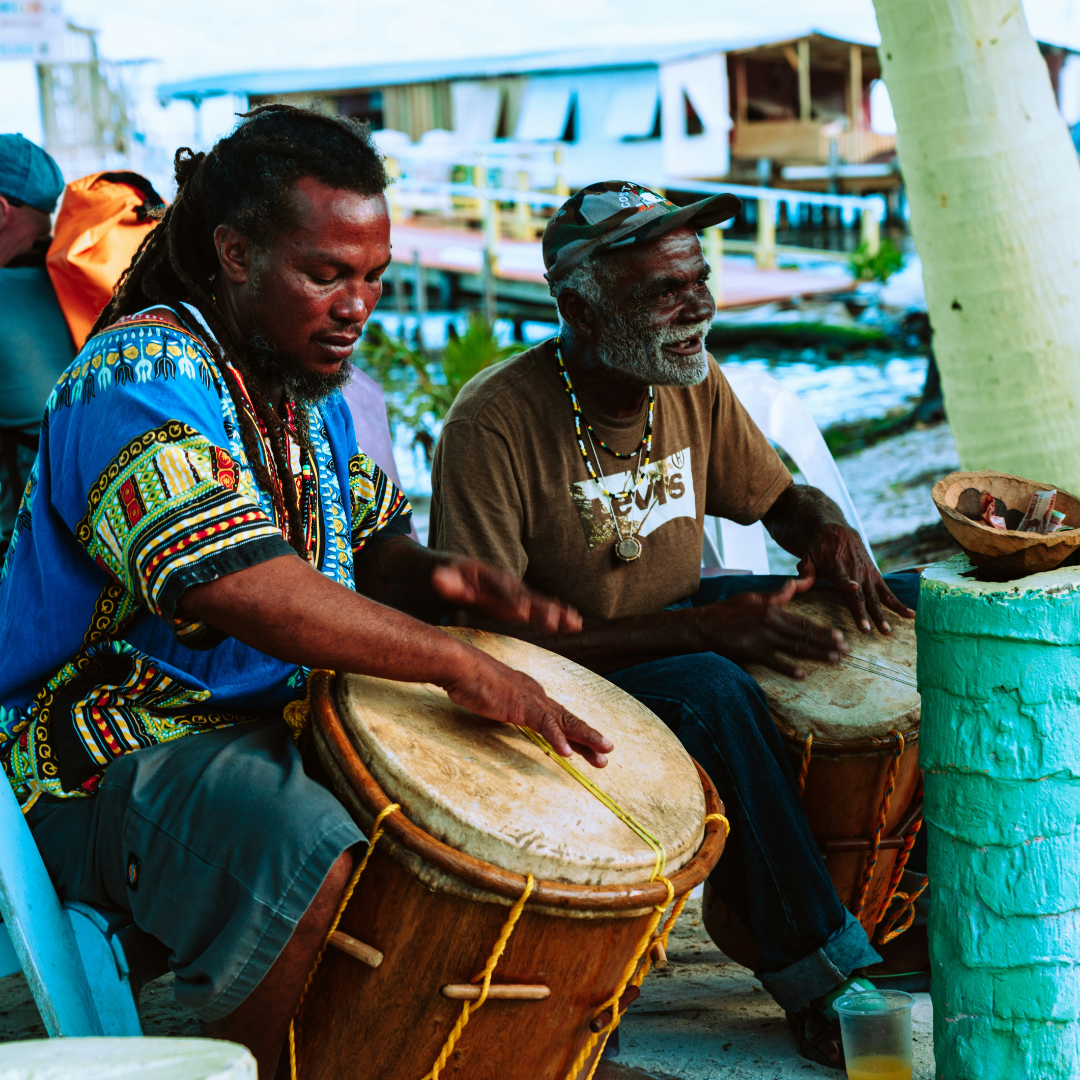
{"points": [[585, 466]]}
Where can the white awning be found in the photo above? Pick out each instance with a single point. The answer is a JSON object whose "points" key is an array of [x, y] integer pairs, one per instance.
{"points": [[545, 108], [632, 111], [476, 110]]}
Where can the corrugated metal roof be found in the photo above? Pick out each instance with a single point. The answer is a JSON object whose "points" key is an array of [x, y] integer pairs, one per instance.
{"points": [[418, 71]]}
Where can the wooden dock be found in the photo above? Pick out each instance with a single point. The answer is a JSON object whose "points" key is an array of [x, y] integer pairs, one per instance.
{"points": [[452, 262]]}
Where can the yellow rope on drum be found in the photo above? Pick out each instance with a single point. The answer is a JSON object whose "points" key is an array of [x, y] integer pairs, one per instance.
{"points": [[376, 832], [469, 1007], [643, 950], [804, 765], [879, 826]]}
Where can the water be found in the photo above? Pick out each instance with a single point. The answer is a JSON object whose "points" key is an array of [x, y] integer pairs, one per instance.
{"points": [[861, 387]]}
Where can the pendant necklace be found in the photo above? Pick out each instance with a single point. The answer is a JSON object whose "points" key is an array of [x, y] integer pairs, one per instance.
{"points": [[627, 548]]}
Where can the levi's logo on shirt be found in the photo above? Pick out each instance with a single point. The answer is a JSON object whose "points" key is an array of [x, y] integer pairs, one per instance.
{"points": [[665, 491]]}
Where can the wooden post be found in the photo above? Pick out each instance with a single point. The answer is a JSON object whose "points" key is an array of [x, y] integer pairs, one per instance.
{"points": [[371, 957], [741, 99], [393, 199], [561, 186], [804, 80], [714, 256], [870, 231], [523, 229], [488, 279], [419, 295], [855, 95], [419, 298], [765, 251], [497, 992]]}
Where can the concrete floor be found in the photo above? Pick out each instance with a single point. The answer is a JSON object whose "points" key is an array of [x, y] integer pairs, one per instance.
{"points": [[704, 1018]]}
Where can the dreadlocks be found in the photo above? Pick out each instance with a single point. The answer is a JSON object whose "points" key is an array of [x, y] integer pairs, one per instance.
{"points": [[244, 182]]}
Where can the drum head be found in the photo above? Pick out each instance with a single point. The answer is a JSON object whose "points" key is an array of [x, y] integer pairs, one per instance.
{"points": [[487, 790], [868, 695]]}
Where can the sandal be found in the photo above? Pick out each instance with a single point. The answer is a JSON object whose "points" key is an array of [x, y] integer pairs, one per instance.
{"points": [[817, 1036]]}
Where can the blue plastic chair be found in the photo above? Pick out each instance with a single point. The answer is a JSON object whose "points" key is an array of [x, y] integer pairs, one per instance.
{"points": [[85, 966]]}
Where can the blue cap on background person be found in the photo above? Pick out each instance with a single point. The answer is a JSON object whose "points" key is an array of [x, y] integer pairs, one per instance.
{"points": [[28, 175]]}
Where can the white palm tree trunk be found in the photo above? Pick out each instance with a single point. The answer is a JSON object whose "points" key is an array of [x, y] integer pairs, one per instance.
{"points": [[994, 187]]}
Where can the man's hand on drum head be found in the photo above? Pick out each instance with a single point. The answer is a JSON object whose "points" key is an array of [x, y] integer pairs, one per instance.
{"points": [[754, 628], [839, 556], [492, 593], [501, 693]]}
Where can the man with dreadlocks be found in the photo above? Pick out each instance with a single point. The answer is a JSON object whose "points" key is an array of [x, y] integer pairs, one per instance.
{"points": [[199, 531]]}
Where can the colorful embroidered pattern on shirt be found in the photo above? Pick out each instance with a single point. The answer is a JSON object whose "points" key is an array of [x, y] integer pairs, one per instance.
{"points": [[169, 501], [109, 700], [375, 499], [132, 353], [173, 505]]}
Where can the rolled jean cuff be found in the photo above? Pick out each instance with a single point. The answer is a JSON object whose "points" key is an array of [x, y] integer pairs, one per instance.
{"points": [[824, 969]]}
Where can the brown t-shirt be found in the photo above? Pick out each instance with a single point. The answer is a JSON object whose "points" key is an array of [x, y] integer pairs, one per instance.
{"points": [[510, 486]]}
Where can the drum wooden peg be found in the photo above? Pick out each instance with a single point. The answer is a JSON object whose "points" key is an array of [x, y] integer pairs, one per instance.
{"points": [[659, 953], [629, 996], [371, 957], [497, 992]]}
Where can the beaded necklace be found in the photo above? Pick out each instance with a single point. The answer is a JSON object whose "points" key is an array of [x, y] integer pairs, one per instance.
{"points": [[306, 488], [579, 419], [627, 548]]}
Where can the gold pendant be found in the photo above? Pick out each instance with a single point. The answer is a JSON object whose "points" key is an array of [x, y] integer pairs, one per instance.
{"points": [[629, 549]]}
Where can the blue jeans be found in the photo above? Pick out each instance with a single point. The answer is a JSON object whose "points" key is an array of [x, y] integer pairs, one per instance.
{"points": [[771, 874]]}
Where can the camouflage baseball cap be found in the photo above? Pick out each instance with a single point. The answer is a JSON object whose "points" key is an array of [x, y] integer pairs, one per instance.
{"points": [[616, 214]]}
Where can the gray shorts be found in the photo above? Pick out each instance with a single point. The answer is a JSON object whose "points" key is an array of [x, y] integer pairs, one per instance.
{"points": [[216, 844]]}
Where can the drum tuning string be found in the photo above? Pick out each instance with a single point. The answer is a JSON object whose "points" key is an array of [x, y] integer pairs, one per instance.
{"points": [[883, 668], [624, 816]]}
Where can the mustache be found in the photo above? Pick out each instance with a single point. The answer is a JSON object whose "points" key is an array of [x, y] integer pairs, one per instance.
{"points": [[672, 335], [300, 384]]}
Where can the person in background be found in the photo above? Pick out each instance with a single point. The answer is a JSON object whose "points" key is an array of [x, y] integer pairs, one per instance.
{"points": [[585, 468], [35, 343]]}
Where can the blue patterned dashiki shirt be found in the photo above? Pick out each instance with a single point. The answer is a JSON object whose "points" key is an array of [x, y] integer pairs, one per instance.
{"points": [[141, 488]]}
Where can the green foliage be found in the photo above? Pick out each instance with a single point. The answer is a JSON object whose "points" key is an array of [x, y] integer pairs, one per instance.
{"points": [[420, 390], [878, 267]]}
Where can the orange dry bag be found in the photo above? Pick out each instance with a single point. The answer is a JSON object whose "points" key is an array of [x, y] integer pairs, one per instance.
{"points": [[103, 219]]}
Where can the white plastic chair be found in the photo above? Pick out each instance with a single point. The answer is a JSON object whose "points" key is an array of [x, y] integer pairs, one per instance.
{"points": [[785, 421], [85, 965]]}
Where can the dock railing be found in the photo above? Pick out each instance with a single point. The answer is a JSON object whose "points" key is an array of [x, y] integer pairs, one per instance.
{"points": [[537, 182]]}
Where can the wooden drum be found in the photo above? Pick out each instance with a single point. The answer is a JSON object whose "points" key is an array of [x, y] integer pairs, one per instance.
{"points": [[852, 732], [482, 807]]}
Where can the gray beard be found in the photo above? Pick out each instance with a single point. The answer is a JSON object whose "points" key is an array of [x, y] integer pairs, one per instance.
{"points": [[625, 343], [300, 384]]}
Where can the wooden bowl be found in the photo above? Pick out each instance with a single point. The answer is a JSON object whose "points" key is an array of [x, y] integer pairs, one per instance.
{"points": [[1006, 553]]}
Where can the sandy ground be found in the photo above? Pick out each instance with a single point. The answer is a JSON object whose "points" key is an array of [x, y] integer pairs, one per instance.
{"points": [[704, 1018]]}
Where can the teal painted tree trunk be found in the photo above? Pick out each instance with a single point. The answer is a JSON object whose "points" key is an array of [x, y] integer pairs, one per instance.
{"points": [[994, 188]]}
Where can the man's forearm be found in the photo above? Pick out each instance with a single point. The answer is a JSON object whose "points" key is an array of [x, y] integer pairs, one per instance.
{"points": [[288, 610], [398, 572], [797, 517], [610, 644]]}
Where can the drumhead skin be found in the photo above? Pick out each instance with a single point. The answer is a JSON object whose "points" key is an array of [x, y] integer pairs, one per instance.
{"points": [[864, 697], [487, 790]]}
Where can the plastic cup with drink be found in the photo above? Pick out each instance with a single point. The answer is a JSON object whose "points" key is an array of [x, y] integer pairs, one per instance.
{"points": [[876, 1029]]}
